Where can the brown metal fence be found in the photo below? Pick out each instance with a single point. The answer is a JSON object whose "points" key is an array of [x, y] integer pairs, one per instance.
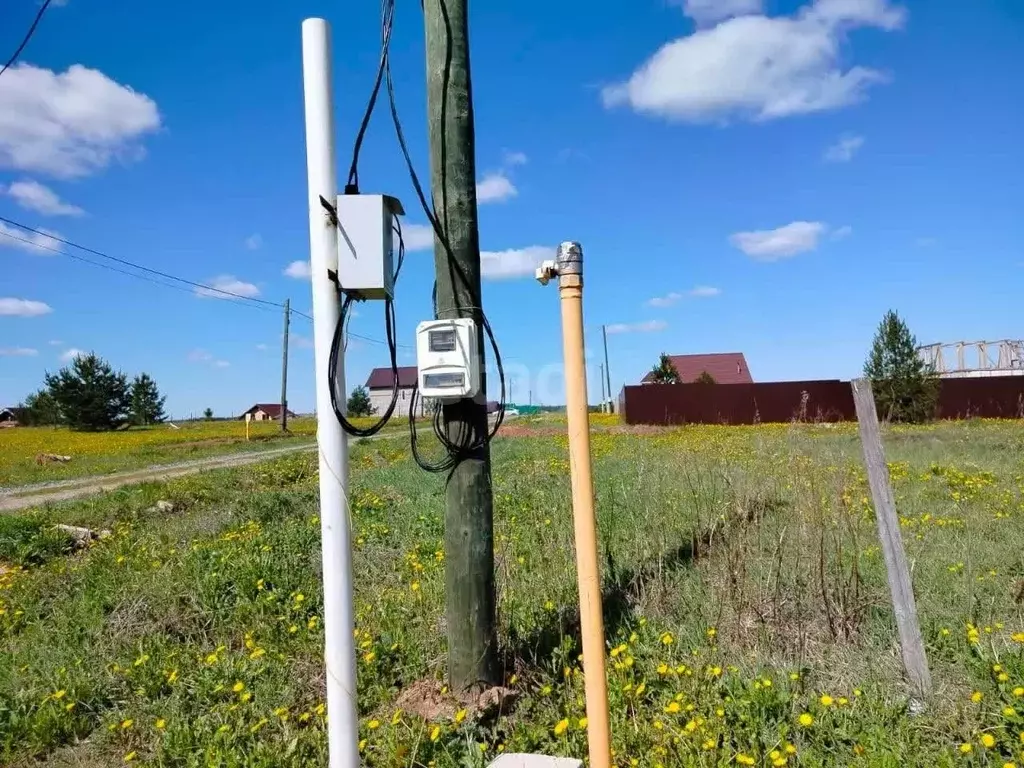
{"points": [[782, 401]]}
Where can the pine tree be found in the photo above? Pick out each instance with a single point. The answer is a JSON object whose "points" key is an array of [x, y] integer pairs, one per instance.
{"points": [[904, 385], [147, 404], [208, 414], [91, 395], [665, 371], [359, 403]]}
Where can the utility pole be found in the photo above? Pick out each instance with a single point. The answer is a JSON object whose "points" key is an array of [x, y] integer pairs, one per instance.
{"points": [[284, 367], [469, 523], [607, 370], [603, 399]]}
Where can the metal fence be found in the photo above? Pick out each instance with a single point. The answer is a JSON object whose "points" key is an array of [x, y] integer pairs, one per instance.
{"points": [[814, 401]]}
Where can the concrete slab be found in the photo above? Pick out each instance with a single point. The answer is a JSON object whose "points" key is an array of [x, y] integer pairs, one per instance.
{"points": [[535, 761]]}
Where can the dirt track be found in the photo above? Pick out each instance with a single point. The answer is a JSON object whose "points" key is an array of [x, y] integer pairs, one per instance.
{"points": [[42, 493]]}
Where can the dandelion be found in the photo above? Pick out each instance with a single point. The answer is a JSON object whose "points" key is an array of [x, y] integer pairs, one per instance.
{"points": [[663, 669], [1009, 712], [806, 719], [238, 687], [460, 715], [561, 727], [711, 632], [160, 724], [1017, 637], [397, 717], [1018, 691], [58, 695], [1009, 765], [667, 639], [715, 671], [130, 756], [743, 759], [362, 744], [582, 723], [709, 744], [790, 749], [966, 748], [436, 733], [826, 700], [977, 696], [373, 725], [673, 707], [988, 740]]}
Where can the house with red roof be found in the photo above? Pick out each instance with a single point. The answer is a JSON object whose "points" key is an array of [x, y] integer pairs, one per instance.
{"points": [[266, 412], [723, 367]]}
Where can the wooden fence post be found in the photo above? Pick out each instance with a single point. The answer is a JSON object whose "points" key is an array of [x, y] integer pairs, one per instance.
{"points": [[911, 643]]}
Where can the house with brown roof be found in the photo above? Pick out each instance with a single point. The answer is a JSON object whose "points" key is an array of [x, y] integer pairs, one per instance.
{"points": [[266, 412], [380, 384], [723, 367]]}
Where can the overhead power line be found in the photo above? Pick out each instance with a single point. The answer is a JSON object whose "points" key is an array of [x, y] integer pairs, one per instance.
{"points": [[28, 36], [166, 279]]}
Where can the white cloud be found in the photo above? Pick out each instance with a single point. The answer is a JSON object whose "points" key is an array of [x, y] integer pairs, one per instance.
{"points": [[300, 269], [781, 243], [261, 347], [40, 245], [705, 292], [72, 123], [37, 197], [495, 188], [18, 352], [842, 232], [758, 67], [227, 284], [23, 308], [254, 242], [665, 301], [515, 262], [221, 364], [706, 12], [650, 326], [514, 158], [72, 354], [844, 149], [199, 356], [418, 237]]}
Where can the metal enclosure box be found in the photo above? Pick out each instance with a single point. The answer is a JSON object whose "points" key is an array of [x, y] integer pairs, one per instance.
{"points": [[366, 241], [448, 359]]}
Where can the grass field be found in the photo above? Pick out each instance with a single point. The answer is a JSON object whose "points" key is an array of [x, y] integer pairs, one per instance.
{"points": [[746, 605], [99, 453]]}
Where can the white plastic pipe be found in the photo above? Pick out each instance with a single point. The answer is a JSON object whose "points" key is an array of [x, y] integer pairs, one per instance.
{"points": [[335, 531]]}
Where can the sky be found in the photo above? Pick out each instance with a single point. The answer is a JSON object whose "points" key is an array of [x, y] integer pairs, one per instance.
{"points": [[761, 176]]}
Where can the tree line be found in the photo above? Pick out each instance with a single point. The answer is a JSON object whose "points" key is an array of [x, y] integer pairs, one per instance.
{"points": [[89, 395], [906, 388]]}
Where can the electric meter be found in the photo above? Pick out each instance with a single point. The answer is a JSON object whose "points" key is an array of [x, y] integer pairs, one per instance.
{"points": [[448, 359]]}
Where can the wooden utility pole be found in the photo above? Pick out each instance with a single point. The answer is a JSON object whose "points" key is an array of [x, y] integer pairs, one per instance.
{"points": [[469, 523], [900, 587], [607, 370], [284, 366], [603, 399]]}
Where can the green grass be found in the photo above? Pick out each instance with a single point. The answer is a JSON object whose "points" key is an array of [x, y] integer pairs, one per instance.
{"points": [[744, 589]]}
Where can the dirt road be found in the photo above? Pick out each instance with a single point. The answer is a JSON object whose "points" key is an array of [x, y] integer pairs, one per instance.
{"points": [[23, 496]]}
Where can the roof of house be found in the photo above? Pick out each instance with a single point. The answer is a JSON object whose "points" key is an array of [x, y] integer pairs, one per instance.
{"points": [[383, 378], [724, 367], [273, 410]]}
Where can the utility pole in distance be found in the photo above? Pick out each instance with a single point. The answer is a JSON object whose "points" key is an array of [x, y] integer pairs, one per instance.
{"points": [[607, 370], [603, 399], [284, 366], [469, 522]]}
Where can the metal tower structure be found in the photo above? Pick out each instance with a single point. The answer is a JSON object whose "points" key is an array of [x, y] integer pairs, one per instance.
{"points": [[966, 359]]}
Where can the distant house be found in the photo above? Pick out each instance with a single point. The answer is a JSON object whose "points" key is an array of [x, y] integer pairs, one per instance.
{"points": [[723, 367], [380, 384], [11, 417], [266, 412]]}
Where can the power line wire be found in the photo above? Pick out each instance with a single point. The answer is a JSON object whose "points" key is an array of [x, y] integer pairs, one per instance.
{"points": [[225, 295], [28, 36]]}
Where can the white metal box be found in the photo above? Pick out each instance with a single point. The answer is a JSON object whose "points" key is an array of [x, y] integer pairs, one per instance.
{"points": [[366, 242], [448, 359]]}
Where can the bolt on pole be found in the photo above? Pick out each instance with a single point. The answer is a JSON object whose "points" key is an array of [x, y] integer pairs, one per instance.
{"points": [[335, 524], [569, 269]]}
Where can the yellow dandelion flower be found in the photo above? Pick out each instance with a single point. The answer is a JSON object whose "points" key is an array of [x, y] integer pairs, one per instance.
{"points": [[582, 723], [1009, 711], [126, 724], [743, 759], [1017, 637], [667, 639], [238, 686], [160, 724], [673, 707], [561, 727], [436, 733], [373, 725], [460, 715], [397, 717], [806, 719], [826, 700], [58, 695], [130, 756], [709, 744], [987, 740], [977, 696], [966, 748]]}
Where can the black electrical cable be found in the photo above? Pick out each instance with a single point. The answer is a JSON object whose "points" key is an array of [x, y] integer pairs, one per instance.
{"points": [[337, 397], [28, 36], [387, 22]]}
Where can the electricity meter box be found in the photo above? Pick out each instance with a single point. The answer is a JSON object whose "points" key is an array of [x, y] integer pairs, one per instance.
{"points": [[448, 359], [366, 243]]}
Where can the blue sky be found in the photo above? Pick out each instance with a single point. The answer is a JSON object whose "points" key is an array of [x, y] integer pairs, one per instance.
{"points": [[774, 175]]}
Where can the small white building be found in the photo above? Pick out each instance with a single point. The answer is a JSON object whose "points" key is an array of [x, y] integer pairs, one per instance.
{"points": [[266, 412], [380, 385]]}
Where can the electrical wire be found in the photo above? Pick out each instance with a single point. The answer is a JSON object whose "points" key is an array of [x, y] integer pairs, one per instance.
{"points": [[28, 36]]}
